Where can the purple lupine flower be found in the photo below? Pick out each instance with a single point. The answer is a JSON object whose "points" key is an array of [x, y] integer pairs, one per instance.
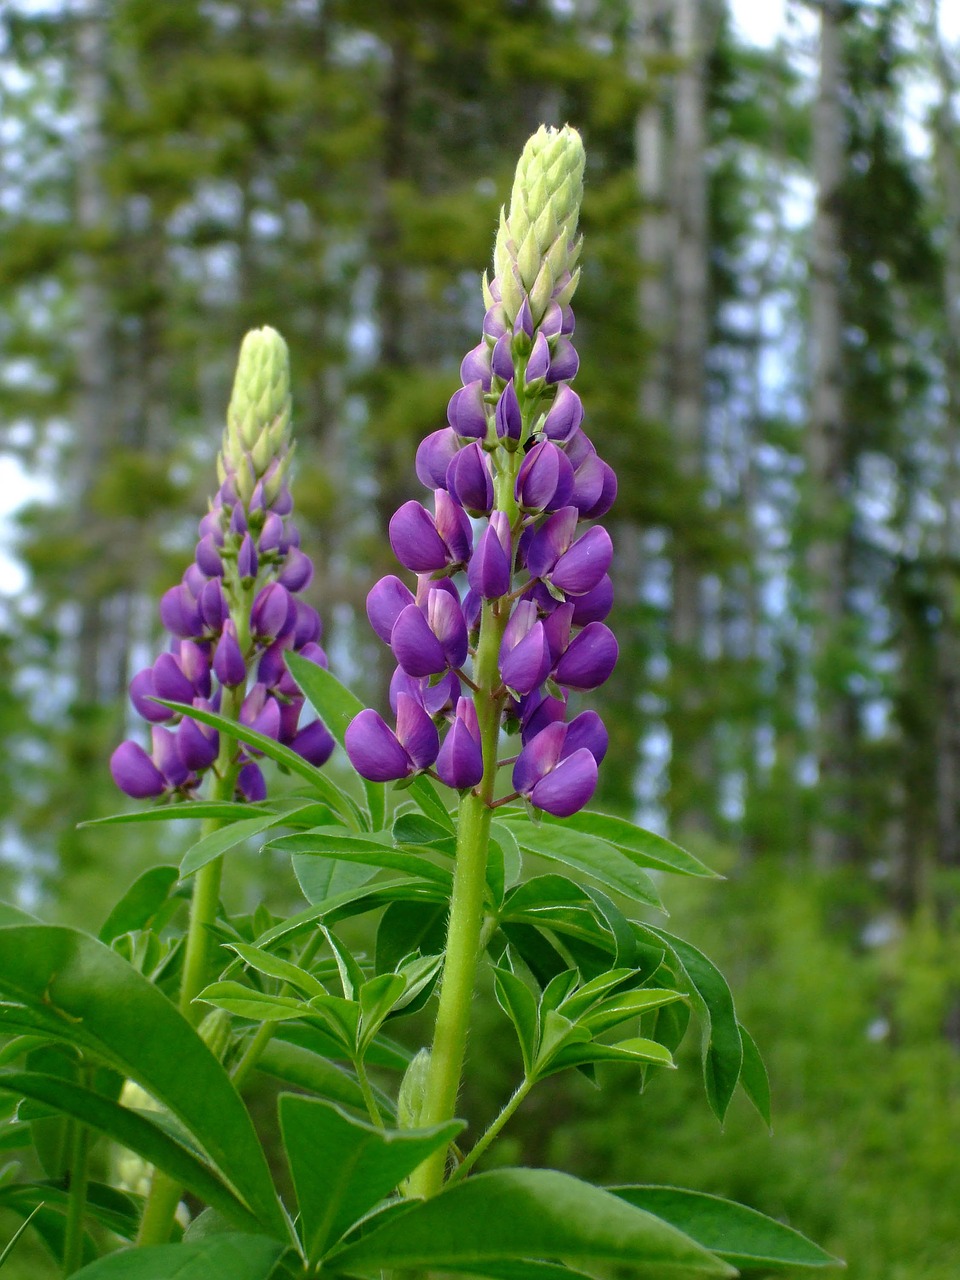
{"points": [[235, 614], [515, 452]]}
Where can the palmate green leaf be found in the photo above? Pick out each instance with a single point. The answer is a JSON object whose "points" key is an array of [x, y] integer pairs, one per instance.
{"points": [[722, 1043], [417, 829], [375, 849], [753, 1076], [221, 810], [131, 1130], [258, 1006], [643, 848], [295, 1065], [409, 926], [336, 706], [586, 853], [637, 1051], [75, 987], [323, 878], [141, 902], [276, 967], [424, 795], [513, 1214], [219, 1257], [218, 842], [342, 1167], [320, 784], [747, 1239], [535, 950], [626, 1004], [516, 1000]]}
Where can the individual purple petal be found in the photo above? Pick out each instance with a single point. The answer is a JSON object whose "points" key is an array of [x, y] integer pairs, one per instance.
{"points": [[489, 572], [568, 787], [415, 540], [135, 773], [415, 647], [268, 616], [238, 519], [195, 665], [271, 668], [528, 663], [194, 580], [436, 699], [416, 732], [509, 419], [608, 494], [308, 626], [539, 361], [469, 479], [545, 480], [590, 659], [595, 604], [433, 457], [297, 570], [374, 749], [290, 710], [524, 320], [565, 416], [272, 535], [579, 447], [467, 410], [314, 743], [556, 627], [180, 613], [228, 661], [538, 757], [552, 322], [261, 711], [550, 541], [213, 607], [211, 526], [501, 361], [198, 745], [454, 527], [588, 479], [581, 568], [169, 681], [538, 710], [282, 504], [565, 362], [386, 600], [166, 756], [460, 762], [315, 653], [524, 617], [495, 322], [248, 564], [445, 619], [141, 693], [586, 730], [472, 606], [208, 557], [251, 783], [257, 500], [475, 366]]}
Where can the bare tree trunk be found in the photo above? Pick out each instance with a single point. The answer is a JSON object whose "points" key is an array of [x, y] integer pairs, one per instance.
{"points": [[825, 457]]}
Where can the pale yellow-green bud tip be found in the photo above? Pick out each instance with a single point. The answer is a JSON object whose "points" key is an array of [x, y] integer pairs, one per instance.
{"points": [[536, 250], [413, 1090], [258, 418]]}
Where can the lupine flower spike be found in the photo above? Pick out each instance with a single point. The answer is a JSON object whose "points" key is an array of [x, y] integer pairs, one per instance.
{"points": [[236, 611], [513, 476]]}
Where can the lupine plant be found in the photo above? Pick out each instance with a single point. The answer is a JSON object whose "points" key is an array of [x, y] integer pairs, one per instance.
{"points": [[454, 836]]}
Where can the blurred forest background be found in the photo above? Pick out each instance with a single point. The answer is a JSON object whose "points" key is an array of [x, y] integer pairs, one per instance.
{"points": [[769, 329]]}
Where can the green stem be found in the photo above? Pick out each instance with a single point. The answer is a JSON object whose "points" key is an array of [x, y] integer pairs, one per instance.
{"points": [[477, 1150], [368, 1096], [77, 1201]]}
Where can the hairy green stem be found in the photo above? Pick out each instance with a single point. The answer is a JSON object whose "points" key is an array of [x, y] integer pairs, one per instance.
{"points": [[77, 1200], [368, 1096], [482, 1143]]}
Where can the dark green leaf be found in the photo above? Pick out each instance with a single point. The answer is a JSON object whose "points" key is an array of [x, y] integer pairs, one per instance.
{"points": [[342, 1167], [644, 848], [516, 1000], [298, 1066], [409, 926], [513, 1214], [417, 829], [148, 893], [588, 854], [753, 1076], [336, 706], [219, 1257], [424, 794], [539, 954], [742, 1236]]}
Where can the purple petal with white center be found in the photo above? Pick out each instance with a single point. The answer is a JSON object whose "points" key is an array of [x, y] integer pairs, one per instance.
{"points": [[565, 362], [416, 732], [539, 361], [166, 756], [568, 787], [460, 761], [135, 773], [169, 681], [415, 540], [314, 743], [208, 557], [475, 366], [386, 600], [551, 540], [608, 495], [445, 619], [508, 416], [198, 745], [454, 527], [469, 479], [565, 416], [141, 691], [581, 568], [595, 604], [228, 662], [538, 757], [590, 659], [297, 571], [528, 663], [251, 783], [489, 570], [433, 457], [415, 647], [586, 730], [374, 750]]}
